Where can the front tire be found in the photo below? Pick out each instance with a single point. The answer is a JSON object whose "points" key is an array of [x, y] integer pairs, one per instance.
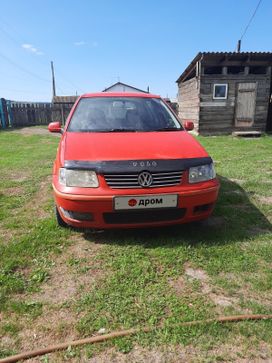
{"points": [[59, 219]]}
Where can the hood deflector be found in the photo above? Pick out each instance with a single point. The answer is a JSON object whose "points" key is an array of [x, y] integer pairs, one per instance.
{"points": [[128, 166]]}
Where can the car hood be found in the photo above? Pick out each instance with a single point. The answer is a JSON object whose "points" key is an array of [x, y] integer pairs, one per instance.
{"points": [[130, 146]]}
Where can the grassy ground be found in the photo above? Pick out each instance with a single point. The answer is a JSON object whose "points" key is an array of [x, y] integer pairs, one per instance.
{"points": [[58, 284]]}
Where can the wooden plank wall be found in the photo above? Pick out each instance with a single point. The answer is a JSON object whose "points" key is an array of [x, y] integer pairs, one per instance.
{"points": [[218, 116], [22, 114], [188, 101], [30, 114], [61, 111]]}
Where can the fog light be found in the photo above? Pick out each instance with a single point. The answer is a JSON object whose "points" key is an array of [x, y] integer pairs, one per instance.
{"points": [[79, 216]]}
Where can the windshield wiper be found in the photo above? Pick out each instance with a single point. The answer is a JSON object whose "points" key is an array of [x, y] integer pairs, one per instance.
{"points": [[106, 130], [121, 130], [167, 129]]}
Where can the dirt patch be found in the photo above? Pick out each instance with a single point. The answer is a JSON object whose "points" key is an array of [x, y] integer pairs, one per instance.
{"points": [[178, 285], [196, 274], [40, 198], [141, 355], [216, 295], [201, 276], [265, 200], [28, 131], [55, 325], [58, 294], [65, 283], [222, 300], [237, 181], [59, 288], [14, 191], [37, 202], [240, 350], [245, 291], [19, 176], [6, 234], [35, 207]]}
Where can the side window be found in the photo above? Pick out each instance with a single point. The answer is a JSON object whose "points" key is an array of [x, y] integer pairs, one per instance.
{"points": [[220, 91]]}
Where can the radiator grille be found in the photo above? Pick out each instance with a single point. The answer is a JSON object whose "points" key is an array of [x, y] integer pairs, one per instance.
{"points": [[127, 181]]}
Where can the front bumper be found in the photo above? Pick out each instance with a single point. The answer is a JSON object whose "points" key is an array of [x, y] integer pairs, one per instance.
{"points": [[193, 205]]}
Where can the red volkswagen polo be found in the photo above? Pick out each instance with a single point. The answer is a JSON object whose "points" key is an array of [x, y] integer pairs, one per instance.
{"points": [[124, 160]]}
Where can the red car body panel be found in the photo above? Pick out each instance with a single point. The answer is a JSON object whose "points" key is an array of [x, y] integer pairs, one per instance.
{"points": [[118, 146], [130, 146]]}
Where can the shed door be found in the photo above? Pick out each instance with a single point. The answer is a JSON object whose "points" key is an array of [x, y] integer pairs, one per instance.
{"points": [[245, 104]]}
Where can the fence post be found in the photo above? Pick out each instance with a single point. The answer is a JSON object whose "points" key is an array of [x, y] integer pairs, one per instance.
{"points": [[10, 116], [2, 112]]}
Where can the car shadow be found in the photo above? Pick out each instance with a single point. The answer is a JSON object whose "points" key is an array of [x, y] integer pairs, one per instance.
{"points": [[234, 219]]}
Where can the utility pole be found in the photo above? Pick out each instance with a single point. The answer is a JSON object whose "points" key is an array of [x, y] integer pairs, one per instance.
{"points": [[239, 46], [53, 79]]}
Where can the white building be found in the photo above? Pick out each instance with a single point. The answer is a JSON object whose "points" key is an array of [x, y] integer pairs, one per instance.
{"points": [[122, 87]]}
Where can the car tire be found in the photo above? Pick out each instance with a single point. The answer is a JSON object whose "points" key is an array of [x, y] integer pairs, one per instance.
{"points": [[60, 221]]}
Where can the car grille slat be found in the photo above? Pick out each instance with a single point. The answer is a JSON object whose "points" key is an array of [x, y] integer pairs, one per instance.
{"points": [[130, 181], [168, 173], [117, 180], [165, 177]]}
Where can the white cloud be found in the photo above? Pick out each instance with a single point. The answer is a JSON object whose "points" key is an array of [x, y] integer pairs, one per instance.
{"points": [[80, 43], [26, 46], [32, 49]]}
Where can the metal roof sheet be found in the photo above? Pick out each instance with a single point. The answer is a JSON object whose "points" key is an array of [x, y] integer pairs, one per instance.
{"points": [[228, 54]]}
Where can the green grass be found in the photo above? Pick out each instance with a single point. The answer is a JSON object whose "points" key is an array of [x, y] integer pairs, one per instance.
{"points": [[139, 268], [24, 163]]}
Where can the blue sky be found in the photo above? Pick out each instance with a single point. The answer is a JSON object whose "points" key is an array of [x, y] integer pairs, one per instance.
{"points": [[96, 43]]}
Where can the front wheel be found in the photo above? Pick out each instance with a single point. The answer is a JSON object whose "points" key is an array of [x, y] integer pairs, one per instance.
{"points": [[60, 221]]}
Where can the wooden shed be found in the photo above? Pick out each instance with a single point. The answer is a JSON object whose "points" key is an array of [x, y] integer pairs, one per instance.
{"points": [[227, 92]]}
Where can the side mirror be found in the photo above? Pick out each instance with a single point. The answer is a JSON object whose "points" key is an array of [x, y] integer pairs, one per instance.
{"points": [[55, 127], [188, 125]]}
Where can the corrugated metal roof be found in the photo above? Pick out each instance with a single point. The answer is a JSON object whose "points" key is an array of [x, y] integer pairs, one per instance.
{"points": [[236, 53], [227, 54]]}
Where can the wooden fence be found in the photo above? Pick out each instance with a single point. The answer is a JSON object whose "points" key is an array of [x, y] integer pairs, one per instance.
{"points": [[21, 114]]}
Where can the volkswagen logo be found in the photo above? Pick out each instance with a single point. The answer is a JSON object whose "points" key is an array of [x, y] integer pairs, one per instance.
{"points": [[145, 179]]}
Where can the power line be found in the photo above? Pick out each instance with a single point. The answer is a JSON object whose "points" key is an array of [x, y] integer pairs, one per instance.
{"points": [[22, 68], [21, 41], [251, 19], [3, 89]]}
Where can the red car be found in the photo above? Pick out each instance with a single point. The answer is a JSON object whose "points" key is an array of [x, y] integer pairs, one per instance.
{"points": [[124, 160]]}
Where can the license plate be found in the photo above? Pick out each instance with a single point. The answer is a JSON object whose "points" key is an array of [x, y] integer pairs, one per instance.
{"points": [[146, 202]]}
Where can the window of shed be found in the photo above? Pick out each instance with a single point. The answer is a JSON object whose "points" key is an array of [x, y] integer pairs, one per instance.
{"points": [[212, 70], [236, 70], [220, 91], [257, 70]]}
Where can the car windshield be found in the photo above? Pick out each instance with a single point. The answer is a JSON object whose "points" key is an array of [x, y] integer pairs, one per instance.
{"points": [[122, 114]]}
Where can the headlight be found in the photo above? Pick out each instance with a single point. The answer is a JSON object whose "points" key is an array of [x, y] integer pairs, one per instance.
{"points": [[201, 173], [78, 178]]}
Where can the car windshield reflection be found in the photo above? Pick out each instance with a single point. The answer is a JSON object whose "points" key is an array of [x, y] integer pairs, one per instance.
{"points": [[126, 114]]}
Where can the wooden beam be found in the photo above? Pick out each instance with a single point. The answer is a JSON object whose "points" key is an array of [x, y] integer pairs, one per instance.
{"points": [[237, 63]]}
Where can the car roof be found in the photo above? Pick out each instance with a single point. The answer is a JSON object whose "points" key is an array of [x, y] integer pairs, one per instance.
{"points": [[119, 94]]}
